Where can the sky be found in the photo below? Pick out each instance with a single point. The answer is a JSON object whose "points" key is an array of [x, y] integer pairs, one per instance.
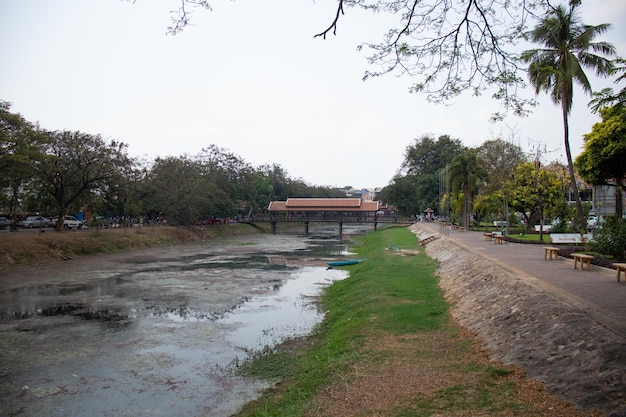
{"points": [[250, 78]]}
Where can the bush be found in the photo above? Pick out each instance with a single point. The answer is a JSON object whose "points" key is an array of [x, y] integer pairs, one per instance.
{"points": [[611, 238]]}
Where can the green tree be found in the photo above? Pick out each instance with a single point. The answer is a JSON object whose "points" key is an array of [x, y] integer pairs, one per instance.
{"points": [[465, 179], [416, 186], [21, 149], [402, 193], [535, 190], [611, 238], [497, 159], [607, 97], [180, 188], [77, 164], [604, 157], [568, 48]]}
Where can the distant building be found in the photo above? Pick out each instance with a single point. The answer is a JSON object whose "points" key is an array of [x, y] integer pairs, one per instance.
{"points": [[604, 200], [369, 194]]}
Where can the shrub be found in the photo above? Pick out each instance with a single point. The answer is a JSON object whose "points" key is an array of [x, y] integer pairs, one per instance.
{"points": [[611, 238]]}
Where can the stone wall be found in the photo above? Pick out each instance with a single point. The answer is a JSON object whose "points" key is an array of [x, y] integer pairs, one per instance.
{"points": [[523, 325]]}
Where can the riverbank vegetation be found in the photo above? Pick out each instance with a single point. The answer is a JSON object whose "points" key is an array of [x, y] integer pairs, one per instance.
{"points": [[31, 248], [69, 172], [388, 347]]}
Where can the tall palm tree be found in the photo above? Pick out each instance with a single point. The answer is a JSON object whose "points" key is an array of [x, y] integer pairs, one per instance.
{"points": [[568, 47], [465, 177]]}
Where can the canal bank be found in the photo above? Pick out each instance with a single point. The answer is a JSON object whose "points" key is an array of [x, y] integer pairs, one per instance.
{"points": [[388, 347], [35, 247]]}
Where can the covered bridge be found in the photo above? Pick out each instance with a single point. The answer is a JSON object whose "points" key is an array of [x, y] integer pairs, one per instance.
{"points": [[324, 205], [340, 210]]}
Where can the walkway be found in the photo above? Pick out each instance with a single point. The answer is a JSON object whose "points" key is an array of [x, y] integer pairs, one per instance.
{"points": [[596, 292]]}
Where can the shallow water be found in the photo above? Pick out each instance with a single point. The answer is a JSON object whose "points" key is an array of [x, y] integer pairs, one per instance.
{"points": [[155, 332]]}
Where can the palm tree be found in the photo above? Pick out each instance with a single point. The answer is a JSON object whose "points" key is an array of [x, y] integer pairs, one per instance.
{"points": [[465, 177], [568, 47]]}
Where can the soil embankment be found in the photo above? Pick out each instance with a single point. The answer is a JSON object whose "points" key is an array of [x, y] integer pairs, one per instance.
{"points": [[518, 324], [30, 247]]}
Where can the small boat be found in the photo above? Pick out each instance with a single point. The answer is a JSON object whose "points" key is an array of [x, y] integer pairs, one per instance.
{"points": [[346, 262]]}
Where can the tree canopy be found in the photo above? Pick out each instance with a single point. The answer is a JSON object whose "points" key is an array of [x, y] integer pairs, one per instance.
{"points": [[416, 185], [604, 158], [567, 48], [535, 190], [446, 46], [56, 173]]}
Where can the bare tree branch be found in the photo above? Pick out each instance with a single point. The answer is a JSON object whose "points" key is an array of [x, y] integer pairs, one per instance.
{"points": [[181, 17], [333, 25], [446, 46]]}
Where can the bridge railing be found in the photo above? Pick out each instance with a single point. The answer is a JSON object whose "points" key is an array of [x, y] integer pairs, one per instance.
{"points": [[325, 217]]}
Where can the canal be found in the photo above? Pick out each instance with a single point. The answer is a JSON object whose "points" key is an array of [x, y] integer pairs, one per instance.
{"points": [[157, 332]]}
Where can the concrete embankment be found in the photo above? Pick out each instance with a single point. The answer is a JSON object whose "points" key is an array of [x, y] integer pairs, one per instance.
{"points": [[518, 323]]}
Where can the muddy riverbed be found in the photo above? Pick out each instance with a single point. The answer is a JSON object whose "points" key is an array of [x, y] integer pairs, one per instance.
{"points": [[155, 332]]}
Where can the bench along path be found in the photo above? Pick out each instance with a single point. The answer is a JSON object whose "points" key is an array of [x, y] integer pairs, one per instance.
{"points": [[566, 327], [595, 289]]}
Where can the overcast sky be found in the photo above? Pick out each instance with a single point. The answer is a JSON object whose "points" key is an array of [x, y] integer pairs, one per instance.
{"points": [[249, 77]]}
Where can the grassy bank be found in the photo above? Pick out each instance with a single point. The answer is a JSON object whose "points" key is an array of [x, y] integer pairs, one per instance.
{"points": [[387, 347], [23, 248]]}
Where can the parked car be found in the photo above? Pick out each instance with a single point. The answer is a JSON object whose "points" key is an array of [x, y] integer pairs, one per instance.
{"points": [[4, 222], [36, 221], [71, 222]]}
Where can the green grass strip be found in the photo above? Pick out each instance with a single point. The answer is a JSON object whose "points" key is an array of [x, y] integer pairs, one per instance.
{"points": [[388, 291], [394, 292]]}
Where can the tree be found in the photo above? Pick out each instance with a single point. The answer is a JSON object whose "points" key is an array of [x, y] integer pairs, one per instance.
{"points": [[77, 164], [21, 148], [568, 47], [465, 179], [415, 186], [607, 97], [448, 46], [534, 190], [604, 157], [181, 189], [402, 193], [497, 159]]}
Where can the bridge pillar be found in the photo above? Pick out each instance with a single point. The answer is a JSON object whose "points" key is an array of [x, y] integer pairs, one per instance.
{"points": [[274, 227], [340, 231], [306, 228]]}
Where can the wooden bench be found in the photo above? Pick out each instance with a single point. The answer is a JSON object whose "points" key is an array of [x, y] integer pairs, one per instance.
{"points": [[620, 268], [425, 241], [488, 236], [583, 259], [498, 239], [550, 250]]}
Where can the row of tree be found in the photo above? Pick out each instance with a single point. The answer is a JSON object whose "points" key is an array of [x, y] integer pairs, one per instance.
{"points": [[484, 182], [65, 172], [567, 47]]}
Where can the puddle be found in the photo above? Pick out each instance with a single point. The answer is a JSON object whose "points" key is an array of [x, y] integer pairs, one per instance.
{"points": [[152, 332]]}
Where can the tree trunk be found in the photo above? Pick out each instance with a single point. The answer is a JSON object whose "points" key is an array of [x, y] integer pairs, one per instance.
{"points": [[506, 215], [466, 207], [582, 224], [61, 220]]}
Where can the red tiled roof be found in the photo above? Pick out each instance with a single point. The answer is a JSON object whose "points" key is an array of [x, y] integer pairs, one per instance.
{"points": [[323, 204]]}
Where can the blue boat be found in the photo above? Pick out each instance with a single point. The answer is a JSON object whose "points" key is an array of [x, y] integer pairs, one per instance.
{"points": [[346, 262]]}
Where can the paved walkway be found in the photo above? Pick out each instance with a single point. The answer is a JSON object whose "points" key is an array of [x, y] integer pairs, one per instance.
{"points": [[596, 292]]}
